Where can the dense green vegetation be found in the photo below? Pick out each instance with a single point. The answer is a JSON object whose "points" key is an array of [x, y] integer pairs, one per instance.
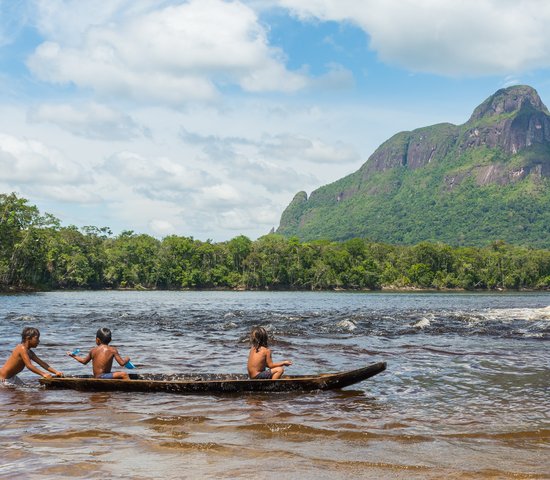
{"points": [[460, 185], [37, 252], [408, 206]]}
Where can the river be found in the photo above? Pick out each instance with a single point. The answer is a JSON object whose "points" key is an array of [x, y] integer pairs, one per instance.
{"points": [[466, 393]]}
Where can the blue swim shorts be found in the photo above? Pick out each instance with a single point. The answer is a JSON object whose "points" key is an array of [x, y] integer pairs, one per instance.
{"points": [[265, 375], [106, 376]]}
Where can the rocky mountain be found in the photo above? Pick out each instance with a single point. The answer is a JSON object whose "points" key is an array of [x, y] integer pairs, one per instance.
{"points": [[485, 180]]}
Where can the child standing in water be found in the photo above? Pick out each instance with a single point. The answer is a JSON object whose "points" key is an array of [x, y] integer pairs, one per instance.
{"points": [[22, 356], [260, 365], [102, 357]]}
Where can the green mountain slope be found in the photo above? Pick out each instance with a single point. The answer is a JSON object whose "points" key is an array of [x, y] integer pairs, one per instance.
{"points": [[470, 184]]}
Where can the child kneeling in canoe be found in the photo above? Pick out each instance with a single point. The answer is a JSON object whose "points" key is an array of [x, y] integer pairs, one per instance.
{"points": [[102, 357], [260, 365]]}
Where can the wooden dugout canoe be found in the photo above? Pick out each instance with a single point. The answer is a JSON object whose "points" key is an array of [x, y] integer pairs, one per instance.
{"points": [[215, 383]]}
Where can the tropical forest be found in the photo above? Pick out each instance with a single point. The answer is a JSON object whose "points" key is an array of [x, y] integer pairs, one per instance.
{"points": [[38, 253]]}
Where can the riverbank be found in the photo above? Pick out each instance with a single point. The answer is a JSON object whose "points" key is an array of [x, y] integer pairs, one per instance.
{"points": [[15, 291], [388, 288]]}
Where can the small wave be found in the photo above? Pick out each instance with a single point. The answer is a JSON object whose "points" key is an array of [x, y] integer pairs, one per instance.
{"points": [[175, 420], [302, 432], [25, 318], [39, 412], [347, 324], [510, 314], [532, 335], [423, 323], [536, 435], [200, 447], [288, 429], [79, 434]]}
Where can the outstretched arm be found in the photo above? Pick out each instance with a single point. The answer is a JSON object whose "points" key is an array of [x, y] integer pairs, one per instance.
{"points": [[83, 360], [269, 362], [26, 356], [43, 364]]}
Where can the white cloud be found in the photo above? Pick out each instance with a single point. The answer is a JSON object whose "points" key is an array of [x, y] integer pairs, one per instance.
{"points": [[79, 194], [66, 20], [274, 178], [141, 214], [162, 227], [257, 218], [267, 161], [221, 196], [93, 120], [293, 148], [468, 37], [173, 54], [272, 76], [25, 161], [158, 178]]}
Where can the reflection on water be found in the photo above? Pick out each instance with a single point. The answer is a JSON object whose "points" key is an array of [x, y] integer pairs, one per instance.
{"points": [[466, 393]]}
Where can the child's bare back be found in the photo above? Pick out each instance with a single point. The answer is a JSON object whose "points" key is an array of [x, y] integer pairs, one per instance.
{"points": [[257, 361], [260, 364], [102, 357]]}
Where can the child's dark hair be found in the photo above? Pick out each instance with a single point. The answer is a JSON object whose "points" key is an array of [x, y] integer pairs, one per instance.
{"points": [[29, 332], [104, 335], [258, 337]]}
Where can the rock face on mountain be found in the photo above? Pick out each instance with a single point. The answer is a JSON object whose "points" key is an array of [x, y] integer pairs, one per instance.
{"points": [[485, 180]]}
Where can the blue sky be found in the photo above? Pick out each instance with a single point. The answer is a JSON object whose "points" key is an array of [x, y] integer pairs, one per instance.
{"points": [[203, 118]]}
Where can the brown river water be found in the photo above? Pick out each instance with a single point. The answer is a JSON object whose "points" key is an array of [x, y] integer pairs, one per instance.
{"points": [[466, 393]]}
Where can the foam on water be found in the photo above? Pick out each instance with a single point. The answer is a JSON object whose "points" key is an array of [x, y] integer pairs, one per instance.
{"points": [[346, 324], [510, 314], [424, 322], [25, 318]]}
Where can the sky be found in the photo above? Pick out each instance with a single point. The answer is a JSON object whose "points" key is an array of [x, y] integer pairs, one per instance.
{"points": [[203, 118]]}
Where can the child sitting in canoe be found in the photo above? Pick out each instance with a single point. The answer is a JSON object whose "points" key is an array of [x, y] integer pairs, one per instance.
{"points": [[22, 356], [102, 357], [260, 365]]}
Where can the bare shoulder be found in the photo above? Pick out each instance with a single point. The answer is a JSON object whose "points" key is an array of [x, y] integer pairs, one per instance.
{"points": [[257, 353], [19, 349]]}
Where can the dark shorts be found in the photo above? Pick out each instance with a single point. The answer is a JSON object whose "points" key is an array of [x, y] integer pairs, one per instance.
{"points": [[106, 376], [265, 375]]}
